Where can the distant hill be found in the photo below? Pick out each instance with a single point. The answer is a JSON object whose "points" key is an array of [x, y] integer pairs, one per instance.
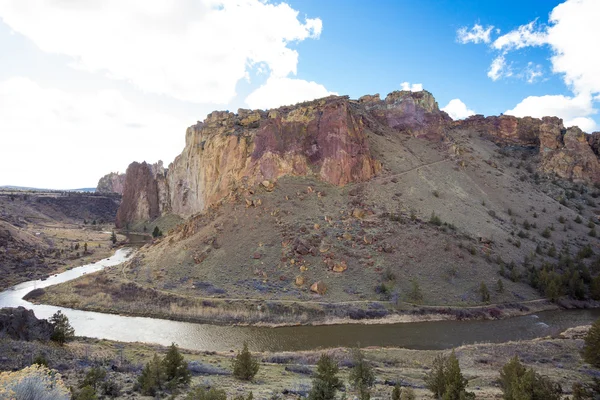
{"points": [[24, 188]]}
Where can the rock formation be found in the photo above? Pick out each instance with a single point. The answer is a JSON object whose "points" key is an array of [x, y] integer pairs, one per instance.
{"points": [[327, 138], [111, 183], [567, 153], [22, 324]]}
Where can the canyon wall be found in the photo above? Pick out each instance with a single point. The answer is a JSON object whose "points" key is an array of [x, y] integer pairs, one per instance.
{"points": [[329, 139]]}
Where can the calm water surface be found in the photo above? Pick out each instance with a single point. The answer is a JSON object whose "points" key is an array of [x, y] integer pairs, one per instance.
{"points": [[422, 335]]}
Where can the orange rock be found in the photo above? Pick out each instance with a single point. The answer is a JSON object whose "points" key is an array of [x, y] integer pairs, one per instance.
{"points": [[340, 266]]}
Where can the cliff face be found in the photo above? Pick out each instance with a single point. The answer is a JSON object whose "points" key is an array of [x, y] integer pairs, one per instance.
{"points": [[144, 187], [568, 153], [111, 183], [327, 138]]}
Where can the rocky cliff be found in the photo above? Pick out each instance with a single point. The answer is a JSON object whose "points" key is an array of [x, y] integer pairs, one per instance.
{"points": [[111, 183], [328, 139], [567, 153]]}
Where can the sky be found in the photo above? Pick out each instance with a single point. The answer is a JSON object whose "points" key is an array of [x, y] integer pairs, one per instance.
{"points": [[87, 87]]}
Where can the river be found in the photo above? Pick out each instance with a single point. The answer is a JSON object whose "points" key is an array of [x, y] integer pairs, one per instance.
{"points": [[422, 335]]}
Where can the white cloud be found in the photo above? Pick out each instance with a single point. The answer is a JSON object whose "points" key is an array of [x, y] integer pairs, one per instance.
{"points": [[524, 36], [498, 69], [533, 72], [477, 34], [574, 39], [573, 110], [279, 91], [51, 138], [194, 51], [457, 109], [415, 87]]}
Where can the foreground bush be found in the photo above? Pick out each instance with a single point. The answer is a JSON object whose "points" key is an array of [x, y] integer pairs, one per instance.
{"points": [[325, 382], [446, 381], [591, 350], [245, 367], [518, 382], [361, 375], [201, 393], [36, 382]]}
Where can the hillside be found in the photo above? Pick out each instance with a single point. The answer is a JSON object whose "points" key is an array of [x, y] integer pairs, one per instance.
{"points": [[42, 232], [372, 205]]}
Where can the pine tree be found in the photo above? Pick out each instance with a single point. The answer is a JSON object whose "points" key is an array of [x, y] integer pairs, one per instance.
{"points": [[62, 329], [361, 375], [245, 366], [156, 232], [175, 368], [113, 237], [518, 382], [152, 378], [500, 286], [446, 380], [326, 381], [591, 349]]}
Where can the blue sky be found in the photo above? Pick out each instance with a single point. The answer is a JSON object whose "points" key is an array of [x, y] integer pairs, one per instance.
{"points": [[87, 87]]}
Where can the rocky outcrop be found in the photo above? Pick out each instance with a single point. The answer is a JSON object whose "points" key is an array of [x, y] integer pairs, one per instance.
{"points": [[415, 113], [22, 324], [145, 186], [572, 158], [567, 153], [111, 183]]}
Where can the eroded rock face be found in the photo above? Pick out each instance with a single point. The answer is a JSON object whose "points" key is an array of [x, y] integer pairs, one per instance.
{"points": [[22, 324], [111, 183], [567, 153], [145, 185]]}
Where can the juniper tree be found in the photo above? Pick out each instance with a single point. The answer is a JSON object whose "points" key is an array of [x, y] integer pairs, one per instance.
{"points": [[591, 349], [361, 375], [245, 366], [62, 331], [152, 378], [325, 381], [175, 367]]}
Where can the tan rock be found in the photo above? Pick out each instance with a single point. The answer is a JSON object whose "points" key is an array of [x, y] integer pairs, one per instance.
{"points": [[300, 280], [318, 287], [340, 266], [358, 213]]}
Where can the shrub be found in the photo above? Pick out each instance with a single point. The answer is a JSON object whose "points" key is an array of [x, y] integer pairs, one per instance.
{"points": [[36, 382], [399, 393], [325, 382], [200, 393], [245, 366], [156, 232], [518, 382], [415, 294], [175, 368], [578, 219], [93, 378], [113, 237], [40, 360], [591, 349], [152, 378], [546, 233], [86, 393], [62, 330], [389, 275], [446, 380], [361, 376], [435, 220], [385, 291], [484, 292], [500, 286]]}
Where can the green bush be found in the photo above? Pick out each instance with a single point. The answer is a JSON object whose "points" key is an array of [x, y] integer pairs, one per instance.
{"points": [[361, 375], [175, 367], [152, 378], [399, 393], [94, 377], [591, 349], [86, 393], [446, 380], [518, 382], [156, 232], [200, 393], [62, 331], [325, 381], [484, 292], [435, 220], [245, 366]]}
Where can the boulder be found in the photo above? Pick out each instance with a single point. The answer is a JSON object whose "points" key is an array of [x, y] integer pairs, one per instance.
{"points": [[318, 287], [22, 324]]}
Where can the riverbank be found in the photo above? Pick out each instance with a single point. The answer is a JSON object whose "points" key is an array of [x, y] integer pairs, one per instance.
{"points": [[105, 292], [288, 374]]}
